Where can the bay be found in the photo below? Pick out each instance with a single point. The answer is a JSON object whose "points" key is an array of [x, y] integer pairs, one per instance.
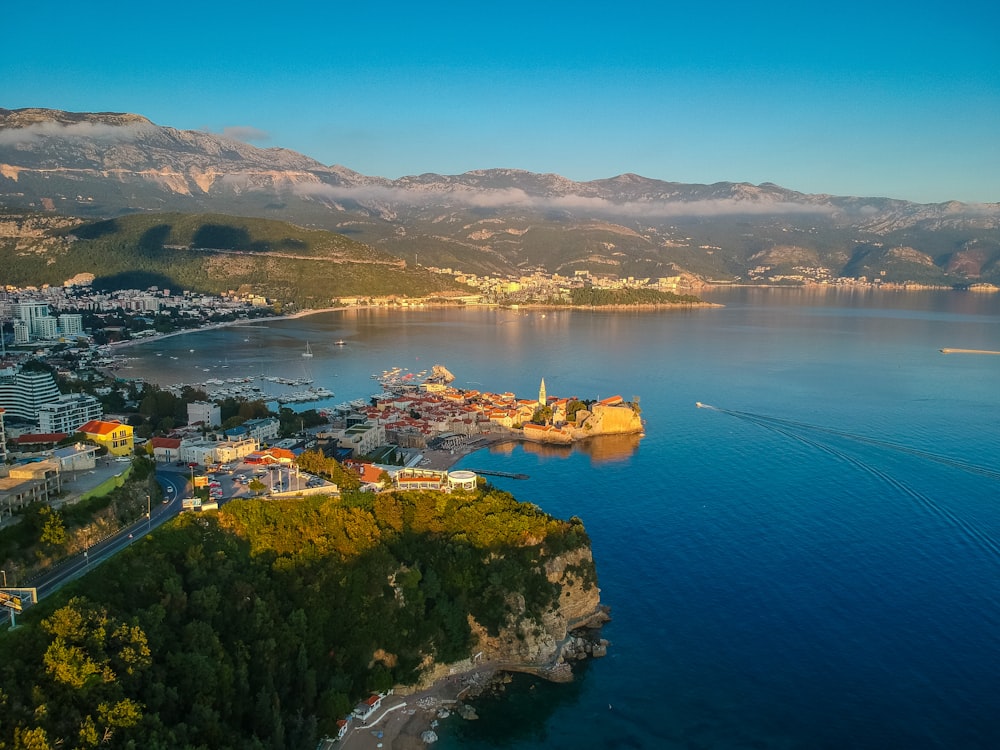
{"points": [[814, 563]]}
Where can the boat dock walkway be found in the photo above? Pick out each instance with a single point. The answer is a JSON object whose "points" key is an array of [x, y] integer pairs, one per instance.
{"points": [[509, 475], [968, 351]]}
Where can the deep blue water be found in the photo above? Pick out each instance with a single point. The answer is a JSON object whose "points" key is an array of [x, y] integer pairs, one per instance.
{"points": [[813, 564]]}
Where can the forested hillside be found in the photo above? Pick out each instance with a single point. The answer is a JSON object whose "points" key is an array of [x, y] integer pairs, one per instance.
{"points": [[207, 253], [260, 625]]}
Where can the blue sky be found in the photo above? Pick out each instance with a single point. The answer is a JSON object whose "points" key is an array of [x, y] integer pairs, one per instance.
{"points": [[873, 99]]}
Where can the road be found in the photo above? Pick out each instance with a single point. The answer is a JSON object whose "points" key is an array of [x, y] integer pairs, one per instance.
{"points": [[175, 485], [176, 482]]}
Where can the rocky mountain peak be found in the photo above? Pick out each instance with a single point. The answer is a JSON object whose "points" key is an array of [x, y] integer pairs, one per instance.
{"points": [[22, 118]]}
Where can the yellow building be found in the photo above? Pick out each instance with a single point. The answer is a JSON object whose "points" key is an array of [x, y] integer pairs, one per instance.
{"points": [[114, 436]]}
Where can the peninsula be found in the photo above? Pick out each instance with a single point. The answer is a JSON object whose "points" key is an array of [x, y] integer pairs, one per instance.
{"points": [[277, 623], [469, 415]]}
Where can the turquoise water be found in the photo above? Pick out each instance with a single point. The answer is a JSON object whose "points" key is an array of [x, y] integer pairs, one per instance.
{"points": [[813, 564]]}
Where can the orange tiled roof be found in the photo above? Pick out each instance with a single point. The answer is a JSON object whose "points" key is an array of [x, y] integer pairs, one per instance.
{"points": [[99, 427]]}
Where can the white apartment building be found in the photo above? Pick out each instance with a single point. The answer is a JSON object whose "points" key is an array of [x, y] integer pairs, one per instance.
{"points": [[24, 392], [30, 313], [70, 324], [231, 451], [262, 430], [68, 413], [46, 328], [198, 451], [206, 412], [22, 332], [362, 438]]}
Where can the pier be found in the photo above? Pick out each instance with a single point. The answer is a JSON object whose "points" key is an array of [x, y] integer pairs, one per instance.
{"points": [[968, 351], [507, 474]]}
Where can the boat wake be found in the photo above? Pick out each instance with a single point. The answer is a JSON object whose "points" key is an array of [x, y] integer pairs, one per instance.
{"points": [[798, 431]]}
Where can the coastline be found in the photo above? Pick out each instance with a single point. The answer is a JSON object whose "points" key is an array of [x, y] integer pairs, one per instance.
{"points": [[404, 716], [115, 345]]}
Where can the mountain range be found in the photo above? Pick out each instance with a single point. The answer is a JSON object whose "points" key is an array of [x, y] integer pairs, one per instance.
{"points": [[106, 165]]}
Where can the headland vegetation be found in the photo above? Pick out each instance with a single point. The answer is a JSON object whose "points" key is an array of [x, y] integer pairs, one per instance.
{"points": [[270, 623]]}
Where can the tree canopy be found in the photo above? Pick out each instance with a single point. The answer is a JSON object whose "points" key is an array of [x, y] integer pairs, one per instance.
{"points": [[260, 625]]}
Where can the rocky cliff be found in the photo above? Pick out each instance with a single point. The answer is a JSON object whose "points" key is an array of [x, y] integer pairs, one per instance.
{"points": [[568, 631]]}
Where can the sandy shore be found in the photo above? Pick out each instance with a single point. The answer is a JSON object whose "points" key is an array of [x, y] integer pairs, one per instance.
{"points": [[225, 324]]}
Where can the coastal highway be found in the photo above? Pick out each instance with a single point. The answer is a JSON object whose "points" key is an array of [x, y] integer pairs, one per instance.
{"points": [[175, 485]]}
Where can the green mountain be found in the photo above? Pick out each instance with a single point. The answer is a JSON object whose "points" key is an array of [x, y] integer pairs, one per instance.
{"points": [[207, 253]]}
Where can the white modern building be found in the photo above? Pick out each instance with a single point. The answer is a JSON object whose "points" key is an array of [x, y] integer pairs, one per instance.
{"points": [[68, 413], [361, 439], [22, 332], [31, 313], [24, 392], [46, 328], [198, 451], [234, 450], [205, 412], [207, 452], [70, 324], [262, 430]]}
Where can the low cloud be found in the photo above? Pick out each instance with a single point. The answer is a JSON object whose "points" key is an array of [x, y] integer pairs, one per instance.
{"points": [[517, 198], [245, 133], [91, 131]]}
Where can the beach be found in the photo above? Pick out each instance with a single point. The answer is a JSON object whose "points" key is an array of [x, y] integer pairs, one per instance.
{"points": [[402, 719], [114, 345]]}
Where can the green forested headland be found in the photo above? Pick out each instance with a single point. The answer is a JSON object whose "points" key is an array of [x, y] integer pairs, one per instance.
{"points": [[259, 625], [593, 297]]}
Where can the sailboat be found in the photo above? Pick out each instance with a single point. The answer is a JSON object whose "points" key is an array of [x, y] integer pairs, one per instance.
{"points": [[308, 352]]}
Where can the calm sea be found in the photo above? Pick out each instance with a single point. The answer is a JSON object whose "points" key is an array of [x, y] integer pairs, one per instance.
{"points": [[813, 563]]}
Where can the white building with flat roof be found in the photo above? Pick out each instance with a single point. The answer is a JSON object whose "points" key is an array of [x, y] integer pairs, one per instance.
{"points": [[361, 439], [22, 332], [70, 324], [205, 412], [68, 413], [46, 328]]}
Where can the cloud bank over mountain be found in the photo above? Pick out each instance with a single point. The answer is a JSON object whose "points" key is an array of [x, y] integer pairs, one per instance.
{"points": [[96, 132], [516, 198]]}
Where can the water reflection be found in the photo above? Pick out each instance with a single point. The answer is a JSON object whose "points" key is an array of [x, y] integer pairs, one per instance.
{"points": [[601, 450]]}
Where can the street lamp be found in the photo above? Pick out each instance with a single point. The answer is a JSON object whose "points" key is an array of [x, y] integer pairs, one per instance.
{"points": [[149, 520], [4, 578]]}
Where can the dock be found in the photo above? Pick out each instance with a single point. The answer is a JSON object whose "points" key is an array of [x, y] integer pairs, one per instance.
{"points": [[968, 351], [507, 474]]}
